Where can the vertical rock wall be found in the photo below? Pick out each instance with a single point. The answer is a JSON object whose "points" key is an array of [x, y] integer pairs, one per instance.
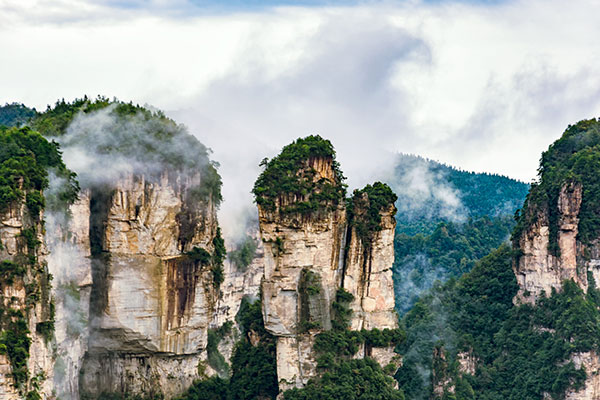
{"points": [[537, 269], [307, 258], [152, 304], [26, 303]]}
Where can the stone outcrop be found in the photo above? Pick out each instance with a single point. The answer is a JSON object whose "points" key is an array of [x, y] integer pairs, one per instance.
{"points": [[67, 240], [537, 269], [307, 258], [151, 303], [591, 390], [27, 310]]}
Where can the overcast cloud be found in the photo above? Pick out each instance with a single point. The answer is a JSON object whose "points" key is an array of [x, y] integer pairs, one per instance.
{"points": [[486, 87]]}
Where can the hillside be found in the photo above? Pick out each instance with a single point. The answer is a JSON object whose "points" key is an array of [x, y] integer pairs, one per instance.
{"points": [[447, 220], [16, 115], [525, 322]]}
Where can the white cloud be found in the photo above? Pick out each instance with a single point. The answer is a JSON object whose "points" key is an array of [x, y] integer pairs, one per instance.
{"points": [[482, 87]]}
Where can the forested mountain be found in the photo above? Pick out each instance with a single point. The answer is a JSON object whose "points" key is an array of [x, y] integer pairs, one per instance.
{"points": [[15, 114], [430, 192], [525, 322], [447, 220]]}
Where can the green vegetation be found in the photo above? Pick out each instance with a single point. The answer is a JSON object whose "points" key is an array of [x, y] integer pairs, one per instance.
{"points": [[16, 115], [288, 182], [365, 208], [243, 255], [340, 376], [253, 365], [218, 257], [310, 292], [574, 159], [14, 343], [430, 192], [25, 161], [451, 250], [523, 351], [215, 260], [137, 134], [447, 220], [214, 357]]}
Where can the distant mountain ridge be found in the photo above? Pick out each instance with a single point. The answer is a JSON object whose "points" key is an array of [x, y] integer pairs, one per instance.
{"points": [[430, 192], [447, 220]]}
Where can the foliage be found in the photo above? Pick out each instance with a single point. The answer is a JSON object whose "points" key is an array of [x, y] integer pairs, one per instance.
{"points": [[349, 380], [365, 208], [243, 255], [523, 351], [16, 115], [288, 182], [451, 250], [137, 134], [340, 376], [253, 366], [430, 192], [572, 159], [218, 257], [215, 260], [25, 161], [14, 343], [214, 357]]}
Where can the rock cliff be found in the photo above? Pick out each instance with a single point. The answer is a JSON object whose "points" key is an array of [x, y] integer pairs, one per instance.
{"points": [[313, 246], [153, 293], [538, 269], [558, 236], [26, 306]]}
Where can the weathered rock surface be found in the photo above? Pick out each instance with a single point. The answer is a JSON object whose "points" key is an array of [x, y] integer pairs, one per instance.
{"points": [[306, 260], [151, 304], [537, 269], [68, 244], [368, 277], [26, 294], [591, 391]]}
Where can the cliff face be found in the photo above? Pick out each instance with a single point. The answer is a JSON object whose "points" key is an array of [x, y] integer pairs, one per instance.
{"points": [[537, 269], [295, 248], [151, 302], [307, 258], [27, 311], [67, 239], [368, 276]]}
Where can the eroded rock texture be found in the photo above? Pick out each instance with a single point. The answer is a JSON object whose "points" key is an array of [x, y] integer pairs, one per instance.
{"points": [[307, 257], [538, 269], [26, 303], [151, 303]]}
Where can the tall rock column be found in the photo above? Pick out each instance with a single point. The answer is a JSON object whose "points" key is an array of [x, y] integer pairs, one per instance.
{"points": [[538, 269], [27, 310], [303, 259], [368, 264], [314, 245], [154, 292]]}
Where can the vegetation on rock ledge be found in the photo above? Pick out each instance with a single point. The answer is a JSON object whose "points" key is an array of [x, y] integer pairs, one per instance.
{"points": [[288, 182], [572, 159]]}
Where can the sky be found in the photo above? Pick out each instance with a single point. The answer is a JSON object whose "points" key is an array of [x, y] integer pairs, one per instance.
{"points": [[482, 85]]}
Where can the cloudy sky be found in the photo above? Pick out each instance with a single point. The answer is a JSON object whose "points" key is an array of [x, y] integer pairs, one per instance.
{"points": [[483, 85]]}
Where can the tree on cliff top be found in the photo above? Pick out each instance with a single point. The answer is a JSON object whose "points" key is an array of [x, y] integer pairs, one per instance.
{"points": [[26, 158], [574, 158], [290, 176], [112, 135]]}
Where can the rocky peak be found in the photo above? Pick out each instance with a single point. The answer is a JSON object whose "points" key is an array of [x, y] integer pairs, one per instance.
{"points": [[313, 246], [557, 234]]}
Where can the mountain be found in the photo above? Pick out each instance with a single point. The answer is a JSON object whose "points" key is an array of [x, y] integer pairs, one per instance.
{"points": [[447, 220], [430, 192], [525, 322], [116, 283], [15, 114]]}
